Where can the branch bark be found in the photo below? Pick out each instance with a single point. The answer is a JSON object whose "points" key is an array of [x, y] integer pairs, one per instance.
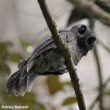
{"points": [[65, 54]]}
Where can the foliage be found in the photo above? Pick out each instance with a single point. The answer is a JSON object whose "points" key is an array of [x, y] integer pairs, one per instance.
{"points": [[53, 83], [69, 101], [6, 56]]}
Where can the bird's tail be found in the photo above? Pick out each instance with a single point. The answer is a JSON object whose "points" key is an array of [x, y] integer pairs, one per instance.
{"points": [[21, 81]]}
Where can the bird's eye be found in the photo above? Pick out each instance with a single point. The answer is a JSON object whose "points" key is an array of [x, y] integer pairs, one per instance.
{"points": [[82, 29], [91, 40]]}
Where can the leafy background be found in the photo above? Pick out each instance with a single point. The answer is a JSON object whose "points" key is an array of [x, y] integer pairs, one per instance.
{"points": [[22, 28]]}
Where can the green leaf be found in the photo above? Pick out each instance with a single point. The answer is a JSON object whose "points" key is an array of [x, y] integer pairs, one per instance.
{"points": [[4, 50], [67, 83], [107, 92], [28, 99], [6, 44], [24, 43], [40, 106], [54, 84], [15, 57], [4, 68], [69, 101]]}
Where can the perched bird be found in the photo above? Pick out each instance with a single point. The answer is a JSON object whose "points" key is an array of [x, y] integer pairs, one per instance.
{"points": [[47, 58]]}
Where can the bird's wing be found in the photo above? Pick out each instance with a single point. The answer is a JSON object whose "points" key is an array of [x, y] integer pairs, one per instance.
{"points": [[41, 48], [46, 46]]}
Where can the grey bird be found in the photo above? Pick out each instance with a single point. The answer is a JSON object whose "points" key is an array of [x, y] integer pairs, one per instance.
{"points": [[47, 58]]}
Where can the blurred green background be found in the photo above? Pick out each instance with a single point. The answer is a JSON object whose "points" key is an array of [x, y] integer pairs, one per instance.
{"points": [[22, 28]]}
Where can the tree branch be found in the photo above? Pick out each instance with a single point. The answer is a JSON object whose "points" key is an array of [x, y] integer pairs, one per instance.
{"points": [[104, 46], [98, 96], [88, 7], [95, 51], [100, 79], [65, 54]]}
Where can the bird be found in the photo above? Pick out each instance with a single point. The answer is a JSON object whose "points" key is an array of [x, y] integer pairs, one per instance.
{"points": [[47, 58]]}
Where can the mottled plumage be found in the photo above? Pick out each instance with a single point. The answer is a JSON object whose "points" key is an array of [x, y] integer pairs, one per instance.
{"points": [[47, 58]]}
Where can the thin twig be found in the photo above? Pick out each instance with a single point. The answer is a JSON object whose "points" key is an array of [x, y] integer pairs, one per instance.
{"points": [[65, 54], [104, 46], [98, 96], [95, 51], [91, 9], [100, 79]]}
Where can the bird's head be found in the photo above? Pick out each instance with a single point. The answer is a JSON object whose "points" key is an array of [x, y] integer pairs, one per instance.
{"points": [[85, 38]]}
